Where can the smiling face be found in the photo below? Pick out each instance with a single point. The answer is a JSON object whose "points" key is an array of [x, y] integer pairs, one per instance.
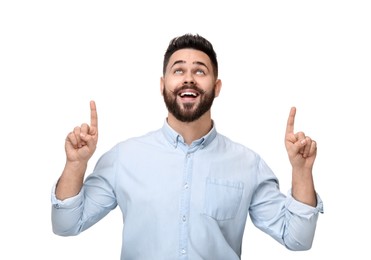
{"points": [[189, 85]]}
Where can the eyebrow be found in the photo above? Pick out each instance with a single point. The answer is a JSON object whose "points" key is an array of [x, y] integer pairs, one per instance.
{"points": [[195, 62]]}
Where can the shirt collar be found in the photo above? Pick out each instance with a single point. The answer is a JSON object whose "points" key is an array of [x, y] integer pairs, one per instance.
{"points": [[174, 138]]}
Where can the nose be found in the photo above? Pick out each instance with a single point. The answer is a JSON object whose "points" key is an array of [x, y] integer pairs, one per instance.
{"points": [[189, 79]]}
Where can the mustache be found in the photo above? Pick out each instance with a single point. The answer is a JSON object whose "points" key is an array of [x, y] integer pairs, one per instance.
{"points": [[188, 86]]}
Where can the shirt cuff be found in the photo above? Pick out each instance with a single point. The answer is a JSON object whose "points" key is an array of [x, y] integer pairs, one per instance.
{"points": [[303, 209], [71, 202]]}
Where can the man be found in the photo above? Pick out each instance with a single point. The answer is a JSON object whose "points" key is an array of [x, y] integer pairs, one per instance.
{"points": [[185, 190]]}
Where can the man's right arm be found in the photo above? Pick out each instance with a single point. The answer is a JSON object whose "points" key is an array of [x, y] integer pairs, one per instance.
{"points": [[80, 145]]}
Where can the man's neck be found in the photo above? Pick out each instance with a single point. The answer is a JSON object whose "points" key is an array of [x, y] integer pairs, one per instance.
{"points": [[191, 131]]}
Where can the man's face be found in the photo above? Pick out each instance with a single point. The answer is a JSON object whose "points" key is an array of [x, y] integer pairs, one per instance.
{"points": [[189, 85]]}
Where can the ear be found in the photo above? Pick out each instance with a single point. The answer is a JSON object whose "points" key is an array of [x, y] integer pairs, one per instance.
{"points": [[162, 85], [218, 87]]}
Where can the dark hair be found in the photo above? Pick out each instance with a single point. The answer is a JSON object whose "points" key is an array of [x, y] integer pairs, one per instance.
{"points": [[190, 41]]}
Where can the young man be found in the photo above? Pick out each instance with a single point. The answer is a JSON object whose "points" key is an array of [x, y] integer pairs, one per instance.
{"points": [[185, 190]]}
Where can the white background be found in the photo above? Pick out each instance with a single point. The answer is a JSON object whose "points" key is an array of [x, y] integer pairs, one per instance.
{"points": [[55, 56]]}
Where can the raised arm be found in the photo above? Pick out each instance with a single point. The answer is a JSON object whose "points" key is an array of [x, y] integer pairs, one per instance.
{"points": [[302, 151], [80, 145]]}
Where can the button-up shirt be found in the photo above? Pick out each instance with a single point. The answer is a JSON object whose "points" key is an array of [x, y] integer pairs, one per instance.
{"points": [[182, 201]]}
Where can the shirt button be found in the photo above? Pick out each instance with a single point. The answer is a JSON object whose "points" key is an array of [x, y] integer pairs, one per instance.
{"points": [[184, 218], [183, 251], [186, 186]]}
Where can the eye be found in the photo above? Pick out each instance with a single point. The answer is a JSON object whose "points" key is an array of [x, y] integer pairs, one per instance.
{"points": [[200, 72], [178, 71]]}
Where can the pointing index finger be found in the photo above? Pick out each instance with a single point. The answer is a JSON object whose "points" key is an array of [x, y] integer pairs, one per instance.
{"points": [[291, 121], [93, 115]]}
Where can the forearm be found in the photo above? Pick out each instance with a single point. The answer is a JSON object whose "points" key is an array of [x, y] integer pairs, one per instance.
{"points": [[303, 186], [71, 180]]}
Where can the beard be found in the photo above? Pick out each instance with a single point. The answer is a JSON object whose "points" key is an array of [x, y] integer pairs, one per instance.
{"points": [[188, 112]]}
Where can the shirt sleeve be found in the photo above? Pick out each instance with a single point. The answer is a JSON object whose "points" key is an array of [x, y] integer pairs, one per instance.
{"points": [[66, 214], [95, 200], [301, 223], [287, 220]]}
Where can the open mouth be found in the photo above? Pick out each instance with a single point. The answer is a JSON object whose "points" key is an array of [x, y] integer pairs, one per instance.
{"points": [[188, 94]]}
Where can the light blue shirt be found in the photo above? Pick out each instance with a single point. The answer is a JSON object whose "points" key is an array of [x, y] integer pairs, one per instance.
{"points": [[186, 202]]}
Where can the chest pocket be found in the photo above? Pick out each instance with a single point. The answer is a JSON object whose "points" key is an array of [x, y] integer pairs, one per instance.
{"points": [[222, 198]]}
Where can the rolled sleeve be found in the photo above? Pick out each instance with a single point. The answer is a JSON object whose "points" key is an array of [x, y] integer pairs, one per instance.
{"points": [[68, 203], [298, 208]]}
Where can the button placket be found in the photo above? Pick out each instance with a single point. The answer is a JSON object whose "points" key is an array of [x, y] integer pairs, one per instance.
{"points": [[185, 205]]}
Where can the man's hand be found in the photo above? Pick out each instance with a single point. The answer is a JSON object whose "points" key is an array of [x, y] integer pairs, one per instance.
{"points": [[81, 143], [301, 149]]}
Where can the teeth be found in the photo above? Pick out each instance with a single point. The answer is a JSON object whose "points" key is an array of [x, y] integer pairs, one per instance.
{"points": [[188, 94]]}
